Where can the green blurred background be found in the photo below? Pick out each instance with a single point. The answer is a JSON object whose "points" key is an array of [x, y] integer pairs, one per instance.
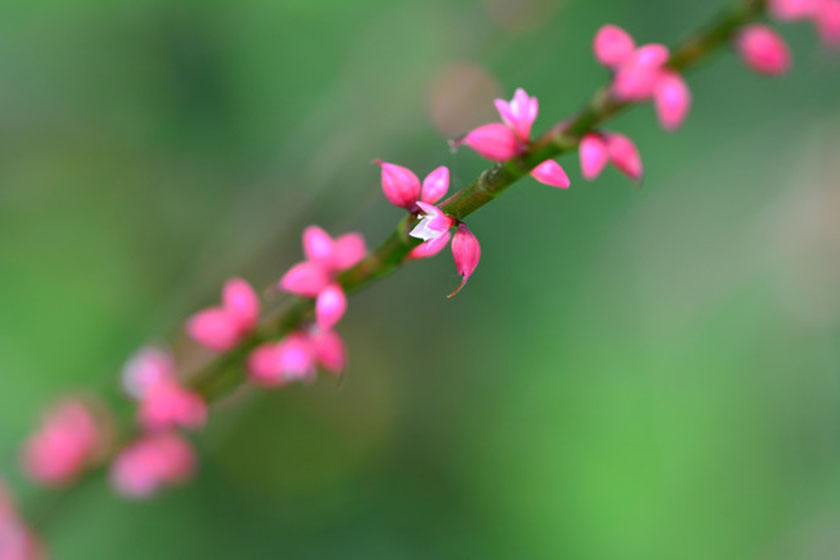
{"points": [[633, 375]]}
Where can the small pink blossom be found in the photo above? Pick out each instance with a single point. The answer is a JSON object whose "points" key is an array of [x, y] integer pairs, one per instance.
{"points": [[67, 442], [636, 79], [672, 100], [296, 357], [150, 378], [431, 247], [825, 14], [433, 223], [151, 463], [519, 113], [221, 328], [306, 279], [495, 141], [330, 306], [466, 252], [598, 149], [17, 542], [828, 22], [613, 46], [396, 178], [764, 50], [791, 10], [329, 349], [551, 173]]}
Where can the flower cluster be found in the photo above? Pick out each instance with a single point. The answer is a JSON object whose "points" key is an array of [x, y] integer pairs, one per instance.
{"points": [[17, 542]]}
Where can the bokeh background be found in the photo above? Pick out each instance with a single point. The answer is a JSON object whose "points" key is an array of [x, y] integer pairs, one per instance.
{"points": [[648, 374]]}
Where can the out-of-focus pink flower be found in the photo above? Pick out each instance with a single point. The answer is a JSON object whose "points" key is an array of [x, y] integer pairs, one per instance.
{"points": [[466, 252], [67, 441], [672, 100], [402, 187], [221, 328], [828, 22], [791, 10], [641, 73], [763, 50], [151, 463], [296, 357], [550, 173], [326, 258], [17, 542], [519, 113], [149, 376], [597, 149]]}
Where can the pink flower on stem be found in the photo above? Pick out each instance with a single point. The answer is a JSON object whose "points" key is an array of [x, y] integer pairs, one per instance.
{"points": [[551, 173], [597, 149], [154, 461], [315, 277], [763, 50], [466, 252], [68, 440], [519, 113], [150, 378], [221, 328], [402, 187], [641, 73], [296, 357]]}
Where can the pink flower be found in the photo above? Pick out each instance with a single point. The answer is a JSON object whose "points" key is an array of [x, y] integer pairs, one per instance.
{"points": [[315, 277], [296, 357], [791, 10], [519, 113], [67, 442], [466, 252], [151, 463], [828, 22], [402, 187], [764, 50], [431, 247], [824, 13], [221, 328], [17, 542], [433, 223], [550, 173], [150, 378], [641, 73], [598, 149]]}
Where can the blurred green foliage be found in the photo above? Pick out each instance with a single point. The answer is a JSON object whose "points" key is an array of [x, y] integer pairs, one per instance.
{"points": [[630, 375]]}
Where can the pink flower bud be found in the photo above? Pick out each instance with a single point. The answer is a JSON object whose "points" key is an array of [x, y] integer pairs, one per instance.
{"points": [[215, 329], [241, 301], [466, 252], [305, 279], [401, 185], [550, 173], [791, 10], [673, 100], [431, 247], [348, 251], [151, 463], [519, 114], [329, 350], [317, 244], [433, 223], [330, 306], [168, 405], [146, 368], [435, 185], [828, 22], [613, 46], [264, 365], [296, 358], [637, 79], [65, 444], [624, 155], [593, 156], [764, 50], [494, 141]]}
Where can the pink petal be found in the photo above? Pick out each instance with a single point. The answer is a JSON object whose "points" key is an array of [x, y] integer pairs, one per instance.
{"points": [[241, 301], [329, 351], [673, 100], [466, 252], [763, 50], [305, 279], [264, 365], [636, 80], [431, 247], [652, 56], [296, 357], [593, 156], [435, 185], [150, 463], [330, 306], [790, 10], [519, 114], [214, 328], [613, 46], [494, 141], [147, 367], [433, 223], [349, 250], [317, 244], [168, 405], [400, 185], [624, 155], [828, 22], [550, 173]]}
